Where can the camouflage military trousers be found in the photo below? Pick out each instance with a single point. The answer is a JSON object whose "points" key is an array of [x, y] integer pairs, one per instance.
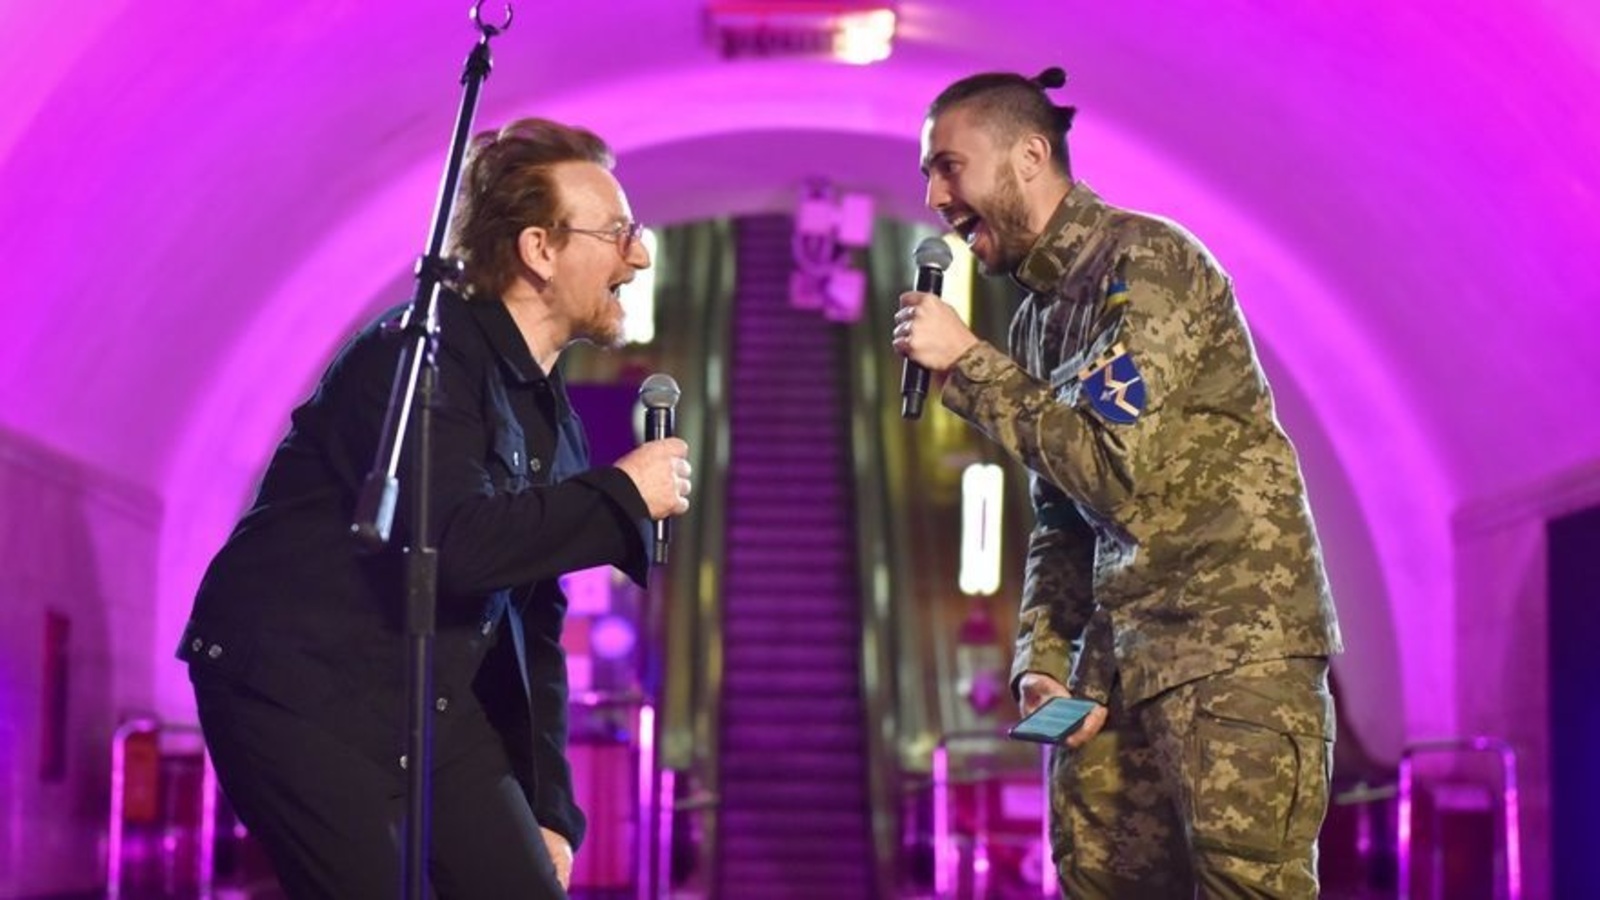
{"points": [[1217, 786]]}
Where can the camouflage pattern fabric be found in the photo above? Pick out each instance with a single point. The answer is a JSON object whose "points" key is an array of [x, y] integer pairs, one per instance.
{"points": [[1114, 828], [1173, 559], [1172, 537], [1219, 785]]}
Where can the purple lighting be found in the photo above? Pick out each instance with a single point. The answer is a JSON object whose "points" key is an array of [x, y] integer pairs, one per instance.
{"points": [[1332, 151], [202, 203], [1337, 365], [1508, 833], [612, 637], [945, 854]]}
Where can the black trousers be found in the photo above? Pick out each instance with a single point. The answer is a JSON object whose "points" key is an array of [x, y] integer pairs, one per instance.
{"points": [[330, 818]]}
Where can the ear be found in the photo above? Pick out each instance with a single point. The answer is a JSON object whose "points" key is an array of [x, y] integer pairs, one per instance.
{"points": [[537, 253], [1032, 156]]}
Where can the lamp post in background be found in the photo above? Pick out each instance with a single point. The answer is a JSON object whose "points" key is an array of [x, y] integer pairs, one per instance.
{"points": [[979, 667]]}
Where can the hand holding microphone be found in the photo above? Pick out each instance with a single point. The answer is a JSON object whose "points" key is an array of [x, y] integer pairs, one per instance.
{"points": [[927, 331], [659, 467]]}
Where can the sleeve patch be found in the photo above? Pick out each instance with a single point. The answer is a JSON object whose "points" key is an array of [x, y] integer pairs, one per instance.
{"points": [[1114, 387]]}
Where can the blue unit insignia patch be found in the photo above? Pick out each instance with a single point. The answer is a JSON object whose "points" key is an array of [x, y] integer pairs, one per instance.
{"points": [[1114, 387]]}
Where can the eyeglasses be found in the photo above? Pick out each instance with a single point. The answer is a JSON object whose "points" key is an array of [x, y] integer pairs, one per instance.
{"points": [[623, 234]]}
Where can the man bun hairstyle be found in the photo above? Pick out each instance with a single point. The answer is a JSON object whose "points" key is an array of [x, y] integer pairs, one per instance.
{"points": [[1014, 105], [1051, 78]]}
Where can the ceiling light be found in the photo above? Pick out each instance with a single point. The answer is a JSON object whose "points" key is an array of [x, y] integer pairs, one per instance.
{"points": [[852, 31]]}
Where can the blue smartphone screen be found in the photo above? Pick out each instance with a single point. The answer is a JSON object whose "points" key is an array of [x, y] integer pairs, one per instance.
{"points": [[1053, 721]]}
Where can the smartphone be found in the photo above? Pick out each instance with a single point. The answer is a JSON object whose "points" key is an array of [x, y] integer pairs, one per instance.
{"points": [[1052, 721]]}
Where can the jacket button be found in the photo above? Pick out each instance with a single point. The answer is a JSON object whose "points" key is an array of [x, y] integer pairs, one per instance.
{"points": [[214, 651], [486, 627], [196, 645], [441, 704], [534, 465]]}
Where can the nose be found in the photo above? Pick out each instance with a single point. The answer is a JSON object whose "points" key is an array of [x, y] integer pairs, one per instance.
{"points": [[639, 254], [937, 196]]}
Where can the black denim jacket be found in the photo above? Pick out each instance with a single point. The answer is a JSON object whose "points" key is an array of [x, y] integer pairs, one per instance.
{"points": [[293, 609]]}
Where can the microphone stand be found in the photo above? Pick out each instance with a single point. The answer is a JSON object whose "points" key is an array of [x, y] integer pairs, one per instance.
{"points": [[416, 379]]}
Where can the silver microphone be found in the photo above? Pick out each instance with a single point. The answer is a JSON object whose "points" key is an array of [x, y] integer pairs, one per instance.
{"points": [[660, 394]]}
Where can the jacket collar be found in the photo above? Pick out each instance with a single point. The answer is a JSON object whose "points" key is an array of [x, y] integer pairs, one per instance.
{"points": [[506, 339], [1079, 216]]}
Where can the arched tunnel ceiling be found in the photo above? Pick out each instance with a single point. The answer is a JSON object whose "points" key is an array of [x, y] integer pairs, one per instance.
{"points": [[199, 201]]}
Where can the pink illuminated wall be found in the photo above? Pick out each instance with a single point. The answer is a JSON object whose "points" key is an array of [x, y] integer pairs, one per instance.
{"points": [[198, 204]]}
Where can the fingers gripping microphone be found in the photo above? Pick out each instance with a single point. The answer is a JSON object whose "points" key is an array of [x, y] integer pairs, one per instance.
{"points": [[932, 258], [660, 394]]}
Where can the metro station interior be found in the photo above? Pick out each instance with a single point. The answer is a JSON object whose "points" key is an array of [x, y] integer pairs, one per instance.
{"points": [[810, 700]]}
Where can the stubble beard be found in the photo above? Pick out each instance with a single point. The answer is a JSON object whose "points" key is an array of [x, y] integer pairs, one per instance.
{"points": [[604, 330], [1008, 224]]}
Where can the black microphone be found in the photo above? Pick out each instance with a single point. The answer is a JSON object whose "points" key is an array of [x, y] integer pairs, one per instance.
{"points": [[933, 256], [660, 394]]}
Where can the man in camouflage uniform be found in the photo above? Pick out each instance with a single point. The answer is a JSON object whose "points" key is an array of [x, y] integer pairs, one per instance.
{"points": [[1173, 572]]}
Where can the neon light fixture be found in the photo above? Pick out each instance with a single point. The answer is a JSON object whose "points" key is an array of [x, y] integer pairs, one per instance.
{"points": [[982, 485]]}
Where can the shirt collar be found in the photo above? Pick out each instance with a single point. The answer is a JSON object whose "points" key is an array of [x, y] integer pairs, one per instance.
{"points": [[1077, 218]]}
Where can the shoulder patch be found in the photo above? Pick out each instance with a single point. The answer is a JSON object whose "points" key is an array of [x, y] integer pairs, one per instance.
{"points": [[1116, 293], [1114, 387]]}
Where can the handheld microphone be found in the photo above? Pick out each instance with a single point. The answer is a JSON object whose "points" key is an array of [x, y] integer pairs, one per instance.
{"points": [[933, 256], [660, 394]]}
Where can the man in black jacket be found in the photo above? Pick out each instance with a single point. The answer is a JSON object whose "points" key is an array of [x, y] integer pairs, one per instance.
{"points": [[296, 645]]}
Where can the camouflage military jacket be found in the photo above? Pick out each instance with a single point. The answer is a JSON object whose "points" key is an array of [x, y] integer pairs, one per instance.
{"points": [[1172, 538]]}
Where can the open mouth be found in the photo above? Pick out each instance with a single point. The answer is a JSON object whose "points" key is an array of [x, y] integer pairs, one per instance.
{"points": [[966, 226]]}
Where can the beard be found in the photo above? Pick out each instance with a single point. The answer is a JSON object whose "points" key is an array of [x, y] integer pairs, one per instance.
{"points": [[1007, 218], [603, 328]]}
